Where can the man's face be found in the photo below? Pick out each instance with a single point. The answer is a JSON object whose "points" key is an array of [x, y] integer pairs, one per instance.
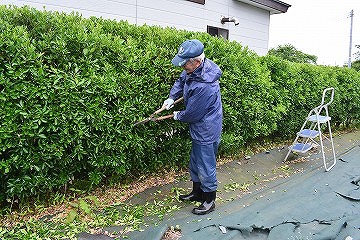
{"points": [[190, 66]]}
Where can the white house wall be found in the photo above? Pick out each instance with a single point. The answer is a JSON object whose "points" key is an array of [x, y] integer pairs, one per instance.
{"points": [[253, 30], [254, 26]]}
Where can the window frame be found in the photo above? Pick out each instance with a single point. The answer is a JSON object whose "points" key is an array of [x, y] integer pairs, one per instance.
{"points": [[217, 31]]}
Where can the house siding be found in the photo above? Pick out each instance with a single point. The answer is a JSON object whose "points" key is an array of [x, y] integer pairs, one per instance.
{"points": [[253, 30]]}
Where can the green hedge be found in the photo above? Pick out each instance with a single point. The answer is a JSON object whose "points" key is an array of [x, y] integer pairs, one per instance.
{"points": [[71, 88]]}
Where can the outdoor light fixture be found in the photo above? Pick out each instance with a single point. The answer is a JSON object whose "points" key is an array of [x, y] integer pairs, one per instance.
{"points": [[229, 19]]}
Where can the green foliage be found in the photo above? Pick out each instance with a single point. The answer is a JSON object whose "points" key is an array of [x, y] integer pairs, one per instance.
{"points": [[356, 65], [357, 54], [290, 53], [71, 89], [300, 88]]}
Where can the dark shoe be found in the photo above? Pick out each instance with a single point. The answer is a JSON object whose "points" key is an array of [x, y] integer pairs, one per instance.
{"points": [[208, 205], [195, 195]]}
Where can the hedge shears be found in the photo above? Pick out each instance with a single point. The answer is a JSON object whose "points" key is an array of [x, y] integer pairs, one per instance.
{"points": [[153, 116]]}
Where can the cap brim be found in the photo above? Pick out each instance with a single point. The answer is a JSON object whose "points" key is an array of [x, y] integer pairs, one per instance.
{"points": [[178, 61]]}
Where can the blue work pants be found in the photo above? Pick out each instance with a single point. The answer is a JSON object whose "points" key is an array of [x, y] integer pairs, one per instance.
{"points": [[203, 165]]}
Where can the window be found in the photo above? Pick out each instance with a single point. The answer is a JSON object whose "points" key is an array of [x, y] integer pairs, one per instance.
{"points": [[198, 1], [218, 32]]}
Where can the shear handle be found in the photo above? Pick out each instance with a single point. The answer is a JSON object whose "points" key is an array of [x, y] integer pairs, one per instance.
{"points": [[163, 107], [163, 117]]}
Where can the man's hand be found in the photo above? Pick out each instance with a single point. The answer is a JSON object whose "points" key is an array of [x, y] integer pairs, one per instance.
{"points": [[168, 103], [175, 115]]}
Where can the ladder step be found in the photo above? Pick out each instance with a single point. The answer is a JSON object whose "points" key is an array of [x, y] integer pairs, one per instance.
{"points": [[307, 133], [301, 147], [322, 119]]}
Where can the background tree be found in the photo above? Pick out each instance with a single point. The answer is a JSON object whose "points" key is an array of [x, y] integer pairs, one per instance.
{"points": [[356, 64], [290, 53], [357, 54]]}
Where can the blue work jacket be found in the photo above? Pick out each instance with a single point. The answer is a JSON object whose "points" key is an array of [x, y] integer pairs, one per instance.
{"points": [[203, 108]]}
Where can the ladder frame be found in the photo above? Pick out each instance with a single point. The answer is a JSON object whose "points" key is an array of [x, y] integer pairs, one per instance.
{"points": [[316, 119]]}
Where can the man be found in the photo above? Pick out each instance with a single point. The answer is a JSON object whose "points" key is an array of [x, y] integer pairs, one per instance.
{"points": [[199, 86]]}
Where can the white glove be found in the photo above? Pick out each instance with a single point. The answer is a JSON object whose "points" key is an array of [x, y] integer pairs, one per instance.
{"points": [[168, 103], [176, 115]]}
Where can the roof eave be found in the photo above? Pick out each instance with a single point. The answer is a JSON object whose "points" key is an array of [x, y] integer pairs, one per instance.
{"points": [[273, 6]]}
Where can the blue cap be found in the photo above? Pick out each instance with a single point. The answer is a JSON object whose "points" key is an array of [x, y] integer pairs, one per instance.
{"points": [[188, 49]]}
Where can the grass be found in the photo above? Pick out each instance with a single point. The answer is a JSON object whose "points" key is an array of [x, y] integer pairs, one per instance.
{"points": [[65, 216], [87, 214]]}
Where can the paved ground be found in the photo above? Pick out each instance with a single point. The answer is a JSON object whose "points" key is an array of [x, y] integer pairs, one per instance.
{"points": [[257, 174]]}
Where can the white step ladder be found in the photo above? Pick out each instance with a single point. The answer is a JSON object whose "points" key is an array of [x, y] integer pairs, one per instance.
{"points": [[311, 134]]}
